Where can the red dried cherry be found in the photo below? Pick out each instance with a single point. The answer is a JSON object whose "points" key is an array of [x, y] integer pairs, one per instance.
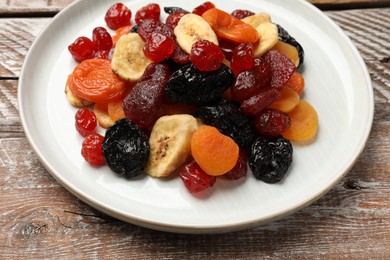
{"points": [[206, 56], [281, 66], [179, 56], [118, 15], [241, 14], [85, 121], [271, 122], [227, 48], [174, 18], [240, 169], [148, 26], [101, 39], [81, 49], [194, 178], [159, 47], [101, 55], [242, 58], [199, 10], [92, 149], [150, 11]]}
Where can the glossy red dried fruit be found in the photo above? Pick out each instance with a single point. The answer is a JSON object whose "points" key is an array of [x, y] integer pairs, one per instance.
{"points": [[143, 103], [271, 122], [227, 48], [159, 47], [241, 14], [194, 178], [281, 66], [117, 15], [258, 102], [199, 10], [92, 149], [101, 55], [206, 56], [242, 58], [81, 49], [85, 121], [148, 26], [240, 169], [174, 18], [101, 39], [179, 56], [150, 11]]}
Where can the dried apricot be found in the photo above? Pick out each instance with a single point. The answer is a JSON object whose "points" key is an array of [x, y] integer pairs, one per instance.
{"points": [[115, 110], [288, 100], [296, 82], [215, 153], [304, 122]]}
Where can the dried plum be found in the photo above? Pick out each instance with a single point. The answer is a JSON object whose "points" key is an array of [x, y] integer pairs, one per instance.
{"points": [[270, 158], [228, 118], [126, 148], [188, 85], [172, 9], [134, 29], [284, 36]]}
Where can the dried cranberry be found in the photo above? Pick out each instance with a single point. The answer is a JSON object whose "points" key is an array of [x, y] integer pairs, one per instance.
{"points": [[118, 15], [242, 58], [240, 169], [174, 18], [85, 122], [101, 55], [194, 178], [241, 14], [92, 149], [227, 48], [206, 56], [263, 72], [101, 39], [179, 56], [281, 66], [199, 10], [150, 11], [159, 47], [271, 122], [148, 26], [258, 102], [81, 49]]}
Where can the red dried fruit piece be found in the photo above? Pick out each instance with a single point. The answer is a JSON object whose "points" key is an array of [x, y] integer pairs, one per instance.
{"points": [[179, 56], [142, 104], [150, 11], [249, 83], [258, 102], [81, 49], [85, 121], [101, 55], [281, 66], [240, 169], [92, 149], [199, 10], [227, 48], [101, 39], [194, 178], [159, 47], [117, 15], [242, 58], [241, 14], [271, 122], [174, 18], [206, 56], [148, 26]]}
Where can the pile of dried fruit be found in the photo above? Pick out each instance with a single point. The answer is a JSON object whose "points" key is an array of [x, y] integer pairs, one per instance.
{"points": [[201, 95]]}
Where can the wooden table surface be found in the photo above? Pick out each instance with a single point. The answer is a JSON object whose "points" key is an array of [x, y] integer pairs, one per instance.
{"points": [[40, 219]]}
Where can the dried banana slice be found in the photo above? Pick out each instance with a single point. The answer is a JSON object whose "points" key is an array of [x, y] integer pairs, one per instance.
{"points": [[257, 19], [170, 144], [129, 60], [268, 38], [192, 28]]}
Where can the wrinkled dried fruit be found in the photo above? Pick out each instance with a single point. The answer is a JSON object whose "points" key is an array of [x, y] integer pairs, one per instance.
{"points": [[258, 102], [241, 14], [194, 178], [206, 56], [150, 11], [92, 149], [270, 158], [240, 169], [271, 122], [281, 66], [126, 148], [284, 36]]}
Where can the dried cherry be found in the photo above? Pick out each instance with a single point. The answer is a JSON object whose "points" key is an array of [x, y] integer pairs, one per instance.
{"points": [[149, 26], [150, 11], [81, 49], [194, 178], [199, 10], [241, 14], [242, 58], [281, 66], [206, 55], [92, 149], [271, 122], [101, 39], [258, 102], [117, 15], [240, 169], [85, 122], [174, 18], [159, 47]]}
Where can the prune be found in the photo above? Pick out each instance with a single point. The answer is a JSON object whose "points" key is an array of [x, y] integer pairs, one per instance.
{"points": [[173, 9], [143, 103], [228, 118], [284, 36], [271, 122], [281, 67], [134, 29], [270, 158], [126, 148], [188, 85]]}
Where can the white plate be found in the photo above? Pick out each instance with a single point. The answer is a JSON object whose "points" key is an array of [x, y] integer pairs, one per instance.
{"points": [[337, 84]]}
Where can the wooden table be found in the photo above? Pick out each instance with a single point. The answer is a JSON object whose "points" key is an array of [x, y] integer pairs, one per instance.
{"points": [[40, 219]]}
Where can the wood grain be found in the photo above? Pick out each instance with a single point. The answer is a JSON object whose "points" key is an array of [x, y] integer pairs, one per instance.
{"points": [[41, 220]]}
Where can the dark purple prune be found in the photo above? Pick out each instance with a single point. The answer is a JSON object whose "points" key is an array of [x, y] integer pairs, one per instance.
{"points": [[228, 118], [126, 148], [143, 103], [284, 36], [270, 158], [172, 9], [188, 85], [134, 29]]}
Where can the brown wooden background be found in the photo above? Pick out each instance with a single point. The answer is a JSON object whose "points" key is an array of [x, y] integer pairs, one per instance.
{"points": [[40, 219]]}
